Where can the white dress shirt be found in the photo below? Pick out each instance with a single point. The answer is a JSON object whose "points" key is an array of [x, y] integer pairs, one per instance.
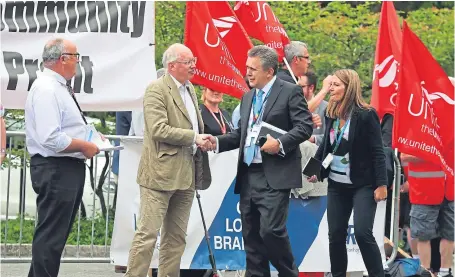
{"points": [[190, 107], [266, 89], [52, 119], [137, 123]]}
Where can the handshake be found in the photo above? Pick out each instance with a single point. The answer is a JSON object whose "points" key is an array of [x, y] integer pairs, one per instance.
{"points": [[206, 142]]}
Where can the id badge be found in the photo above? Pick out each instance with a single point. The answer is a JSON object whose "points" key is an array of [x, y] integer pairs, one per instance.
{"points": [[253, 136], [327, 161]]}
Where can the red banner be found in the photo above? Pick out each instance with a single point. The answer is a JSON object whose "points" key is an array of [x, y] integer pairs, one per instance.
{"points": [[215, 68], [231, 31], [261, 23], [424, 116], [387, 60]]}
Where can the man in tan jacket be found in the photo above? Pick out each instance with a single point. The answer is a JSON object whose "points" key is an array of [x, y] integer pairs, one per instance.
{"points": [[172, 165]]}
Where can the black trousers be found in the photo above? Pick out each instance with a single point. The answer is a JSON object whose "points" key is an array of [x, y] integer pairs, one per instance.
{"points": [[264, 214], [59, 183], [341, 199]]}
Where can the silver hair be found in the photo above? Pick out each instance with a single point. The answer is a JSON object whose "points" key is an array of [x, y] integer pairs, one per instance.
{"points": [[267, 55], [160, 72], [172, 53], [294, 49], [52, 51]]}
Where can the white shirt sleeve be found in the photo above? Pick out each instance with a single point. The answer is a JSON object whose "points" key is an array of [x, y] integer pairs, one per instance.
{"points": [[48, 118]]}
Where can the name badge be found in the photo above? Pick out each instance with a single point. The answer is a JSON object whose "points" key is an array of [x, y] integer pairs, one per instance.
{"points": [[327, 161], [253, 136]]}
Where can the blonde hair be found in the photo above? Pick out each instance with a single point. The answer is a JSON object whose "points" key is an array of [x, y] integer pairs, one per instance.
{"points": [[352, 97], [204, 90]]}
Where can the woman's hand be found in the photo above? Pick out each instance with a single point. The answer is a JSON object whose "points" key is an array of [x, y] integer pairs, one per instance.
{"points": [[312, 179], [380, 194]]}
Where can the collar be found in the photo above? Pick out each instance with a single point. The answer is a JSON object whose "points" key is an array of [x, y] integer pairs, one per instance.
{"points": [[51, 73], [268, 86], [177, 83]]}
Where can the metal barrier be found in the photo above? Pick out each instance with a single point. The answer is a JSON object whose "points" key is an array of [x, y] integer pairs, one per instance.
{"points": [[95, 257], [18, 248]]}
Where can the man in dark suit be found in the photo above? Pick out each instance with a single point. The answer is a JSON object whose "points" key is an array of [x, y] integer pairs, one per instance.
{"points": [[265, 175]]}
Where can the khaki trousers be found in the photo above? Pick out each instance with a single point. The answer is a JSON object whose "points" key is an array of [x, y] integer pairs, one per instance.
{"points": [[170, 211]]}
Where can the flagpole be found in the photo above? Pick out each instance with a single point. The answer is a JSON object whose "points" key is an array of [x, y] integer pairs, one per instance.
{"points": [[290, 70]]}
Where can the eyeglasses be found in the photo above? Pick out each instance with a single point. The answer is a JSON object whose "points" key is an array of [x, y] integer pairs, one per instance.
{"points": [[305, 57], [76, 55], [188, 62]]}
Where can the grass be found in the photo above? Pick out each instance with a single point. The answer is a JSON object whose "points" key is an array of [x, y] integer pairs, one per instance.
{"points": [[28, 228]]}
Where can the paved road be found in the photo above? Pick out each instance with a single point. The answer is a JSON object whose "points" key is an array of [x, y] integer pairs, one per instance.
{"points": [[70, 270]]}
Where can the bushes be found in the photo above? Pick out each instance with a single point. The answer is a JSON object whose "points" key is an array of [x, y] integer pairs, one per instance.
{"points": [[13, 231]]}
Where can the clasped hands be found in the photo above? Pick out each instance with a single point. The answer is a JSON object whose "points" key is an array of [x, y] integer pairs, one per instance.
{"points": [[208, 143]]}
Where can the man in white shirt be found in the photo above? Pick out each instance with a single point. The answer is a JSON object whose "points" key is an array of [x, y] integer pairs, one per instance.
{"points": [[55, 138]]}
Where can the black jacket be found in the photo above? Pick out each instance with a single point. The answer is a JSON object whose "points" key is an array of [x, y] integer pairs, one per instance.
{"points": [[366, 151], [210, 125], [286, 109], [285, 75]]}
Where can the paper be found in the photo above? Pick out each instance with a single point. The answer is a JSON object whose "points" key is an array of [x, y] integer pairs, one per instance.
{"points": [[93, 136], [327, 161]]}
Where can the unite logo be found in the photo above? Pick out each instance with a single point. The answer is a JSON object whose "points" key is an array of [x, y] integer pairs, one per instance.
{"points": [[390, 67], [427, 102], [223, 26]]}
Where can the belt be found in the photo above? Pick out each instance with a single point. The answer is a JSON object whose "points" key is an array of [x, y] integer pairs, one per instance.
{"points": [[253, 166], [38, 156]]}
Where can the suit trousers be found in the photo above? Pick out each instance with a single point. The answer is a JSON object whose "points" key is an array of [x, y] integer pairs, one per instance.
{"points": [[341, 200], [59, 183], [264, 212], [168, 211]]}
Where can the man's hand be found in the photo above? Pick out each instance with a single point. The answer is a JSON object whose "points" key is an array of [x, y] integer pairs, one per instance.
{"points": [[404, 187], [317, 121], [204, 141], [271, 146], [89, 150], [380, 194]]}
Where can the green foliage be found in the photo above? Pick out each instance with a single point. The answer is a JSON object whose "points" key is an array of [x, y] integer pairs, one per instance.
{"points": [[339, 34], [28, 227]]}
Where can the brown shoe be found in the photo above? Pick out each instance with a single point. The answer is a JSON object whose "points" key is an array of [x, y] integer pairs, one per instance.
{"points": [[120, 269]]}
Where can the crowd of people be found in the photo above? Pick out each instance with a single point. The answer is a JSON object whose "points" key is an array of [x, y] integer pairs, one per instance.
{"points": [[177, 133]]}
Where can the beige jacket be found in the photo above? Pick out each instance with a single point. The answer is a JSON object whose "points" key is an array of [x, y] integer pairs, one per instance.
{"points": [[167, 157]]}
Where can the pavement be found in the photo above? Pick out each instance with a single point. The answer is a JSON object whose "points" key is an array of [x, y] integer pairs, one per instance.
{"points": [[70, 270]]}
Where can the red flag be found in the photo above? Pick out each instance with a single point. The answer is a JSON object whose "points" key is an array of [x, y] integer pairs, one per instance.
{"points": [[261, 23], [231, 31], [387, 60], [424, 122], [215, 68]]}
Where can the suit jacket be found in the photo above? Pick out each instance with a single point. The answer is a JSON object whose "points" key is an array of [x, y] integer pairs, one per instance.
{"points": [[366, 152], [167, 157], [286, 109], [210, 125]]}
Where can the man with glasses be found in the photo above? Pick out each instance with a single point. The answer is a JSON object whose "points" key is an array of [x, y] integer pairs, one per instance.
{"points": [[171, 165], [55, 138], [296, 54]]}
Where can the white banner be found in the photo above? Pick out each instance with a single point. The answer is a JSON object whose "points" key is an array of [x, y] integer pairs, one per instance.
{"points": [[116, 41], [307, 222]]}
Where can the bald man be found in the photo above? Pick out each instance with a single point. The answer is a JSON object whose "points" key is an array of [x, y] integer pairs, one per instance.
{"points": [[55, 139]]}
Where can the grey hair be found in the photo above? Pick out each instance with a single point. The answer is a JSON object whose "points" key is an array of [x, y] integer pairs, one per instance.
{"points": [[52, 51], [160, 72], [172, 53], [267, 55], [294, 49]]}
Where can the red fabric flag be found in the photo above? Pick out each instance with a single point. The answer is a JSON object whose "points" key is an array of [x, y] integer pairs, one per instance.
{"points": [[387, 60], [215, 66], [424, 122], [261, 23], [231, 31]]}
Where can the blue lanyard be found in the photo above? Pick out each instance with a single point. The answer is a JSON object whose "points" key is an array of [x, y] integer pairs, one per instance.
{"points": [[338, 137], [261, 109]]}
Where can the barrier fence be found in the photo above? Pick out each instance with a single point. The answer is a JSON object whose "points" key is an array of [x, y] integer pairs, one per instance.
{"points": [[90, 238]]}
